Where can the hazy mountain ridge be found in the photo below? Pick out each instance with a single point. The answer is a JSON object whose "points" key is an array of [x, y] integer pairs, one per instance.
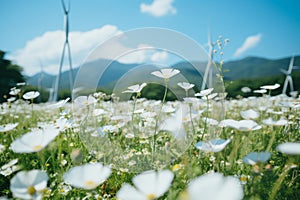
{"points": [[249, 67]]}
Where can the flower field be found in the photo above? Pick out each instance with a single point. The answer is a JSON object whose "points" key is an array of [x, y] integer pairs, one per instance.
{"points": [[200, 147]]}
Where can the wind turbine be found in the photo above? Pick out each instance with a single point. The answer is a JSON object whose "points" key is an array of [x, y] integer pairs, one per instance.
{"points": [[288, 78], [66, 45], [208, 70]]}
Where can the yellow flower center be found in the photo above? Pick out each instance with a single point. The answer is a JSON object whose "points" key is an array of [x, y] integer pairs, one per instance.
{"points": [[244, 178], [184, 195], [37, 147], [175, 167], [90, 183], [31, 190], [151, 196]]}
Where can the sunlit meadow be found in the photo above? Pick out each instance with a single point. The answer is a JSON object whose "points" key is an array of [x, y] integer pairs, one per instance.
{"points": [[98, 147]]}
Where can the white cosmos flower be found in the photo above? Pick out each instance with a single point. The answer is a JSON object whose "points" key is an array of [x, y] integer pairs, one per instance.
{"points": [[166, 73], [8, 127], [292, 148], [31, 95], [210, 96], [203, 93], [210, 121], [243, 125], [262, 91], [185, 85], [174, 125], [60, 104], [135, 88], [245, 89], [215, 186], [29, 184], [148, 185], [63, 124], [9, 168], [11, 99], [98, 111], [212, 145], [14, 91], [191, 100], [2, 148], [88, 176], [35, 140], [249, 114], [271, 122], [270, 87], [256, 157], [84, 100]]}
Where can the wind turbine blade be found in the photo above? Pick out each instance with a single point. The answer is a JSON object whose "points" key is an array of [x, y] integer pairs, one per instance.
{"points": [[284, 71], [291, 65]]}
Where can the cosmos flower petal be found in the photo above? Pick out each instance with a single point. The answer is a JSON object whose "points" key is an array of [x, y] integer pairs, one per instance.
{"points": [[215, 186], [128, 192], [292, 148], [164, 180], [255, 157], [145, 182], [88, 176]]}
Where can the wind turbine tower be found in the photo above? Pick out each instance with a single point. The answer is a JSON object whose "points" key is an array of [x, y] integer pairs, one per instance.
{"points": [[208, 70], [288, 78], [66, 9]]}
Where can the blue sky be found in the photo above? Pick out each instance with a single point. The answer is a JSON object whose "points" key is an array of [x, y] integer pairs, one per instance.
{"points": [[32, 30]]}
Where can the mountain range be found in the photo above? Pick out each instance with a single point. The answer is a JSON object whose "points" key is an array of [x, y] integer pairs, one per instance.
{"points": [[247, 68]]}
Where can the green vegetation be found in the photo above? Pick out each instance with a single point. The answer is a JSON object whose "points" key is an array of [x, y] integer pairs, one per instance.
{"points": [[10, 75]]}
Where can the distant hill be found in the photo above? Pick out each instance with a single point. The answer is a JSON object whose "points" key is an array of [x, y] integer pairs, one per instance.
{"points": [[255, 67], [250, 67]]}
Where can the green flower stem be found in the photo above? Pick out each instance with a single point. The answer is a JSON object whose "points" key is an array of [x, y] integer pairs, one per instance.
{"points": [[193, 127], [271, 141], [158, 117], [206, 116], [237, 144], [132, 114], [278, 182]]}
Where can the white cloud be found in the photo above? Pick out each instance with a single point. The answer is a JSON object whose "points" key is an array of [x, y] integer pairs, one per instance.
{"points": [[46, 49], [249, 43], [158, 8], [159, 56]]}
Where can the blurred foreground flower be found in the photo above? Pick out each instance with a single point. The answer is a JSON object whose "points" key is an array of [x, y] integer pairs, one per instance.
{"points": [[35, 140], [292, 148], [214, 186], [149, 185], [29, 185], [256, 157], [88, 176]]}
